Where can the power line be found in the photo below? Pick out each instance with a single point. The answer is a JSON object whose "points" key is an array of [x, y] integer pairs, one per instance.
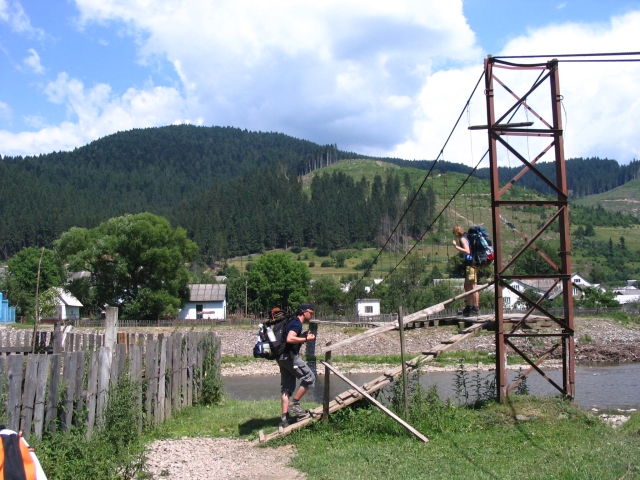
{"points": [[366, 272], [567, 55], [439, 214]]}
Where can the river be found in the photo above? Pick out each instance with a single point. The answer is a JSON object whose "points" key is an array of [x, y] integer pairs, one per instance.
{"points": [[609, 387]]}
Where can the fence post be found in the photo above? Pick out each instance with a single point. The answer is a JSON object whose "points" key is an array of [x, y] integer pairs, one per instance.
{"points": [[104, 369], [92, 392], [41, 385], [160, 411], [176, 376], [169, 376], [51, 415], [14, 383], [69, 382], [56, 338], [405, 388], [111, 328], [29, 395], [327, 388], [151, 376]]}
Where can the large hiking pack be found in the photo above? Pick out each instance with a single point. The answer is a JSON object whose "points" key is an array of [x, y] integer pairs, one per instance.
{"points": [[272, 336], [480, 246]]}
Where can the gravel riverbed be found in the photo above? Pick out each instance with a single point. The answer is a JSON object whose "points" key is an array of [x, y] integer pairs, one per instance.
{"points": [[596, 340]]}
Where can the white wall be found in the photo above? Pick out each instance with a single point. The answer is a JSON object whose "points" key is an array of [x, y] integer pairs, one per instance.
{"points": [[66, 312], [362, 304], [211, 310]]}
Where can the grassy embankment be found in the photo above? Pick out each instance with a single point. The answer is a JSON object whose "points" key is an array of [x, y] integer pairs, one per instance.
{"points": [[553, 439]]}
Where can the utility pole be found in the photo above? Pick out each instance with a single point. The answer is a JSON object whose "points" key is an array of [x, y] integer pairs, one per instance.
{"points": [[37, 312], [245, 299]]}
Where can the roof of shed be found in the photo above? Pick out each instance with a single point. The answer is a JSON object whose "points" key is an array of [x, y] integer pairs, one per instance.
{"points": [[67, 298], [207, 292]]}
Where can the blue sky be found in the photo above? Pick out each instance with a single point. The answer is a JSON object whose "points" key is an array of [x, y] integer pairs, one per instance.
{"points": [[384, 78]]}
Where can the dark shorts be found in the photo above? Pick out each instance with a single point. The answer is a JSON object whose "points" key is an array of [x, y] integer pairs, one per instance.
{"points": [[292, 369]]}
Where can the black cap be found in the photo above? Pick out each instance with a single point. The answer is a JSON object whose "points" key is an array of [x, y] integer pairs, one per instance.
{"points": [[304, 307]]}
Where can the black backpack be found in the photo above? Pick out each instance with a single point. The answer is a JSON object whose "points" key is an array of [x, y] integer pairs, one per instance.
{"points": [[272, 348], [480, 245]]}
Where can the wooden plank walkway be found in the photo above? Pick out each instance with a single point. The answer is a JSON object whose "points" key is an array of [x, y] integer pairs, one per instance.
{"points": [[351, 396]]}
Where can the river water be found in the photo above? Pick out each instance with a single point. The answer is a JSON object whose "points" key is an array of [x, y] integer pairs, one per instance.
{"points": [[610, 387]]}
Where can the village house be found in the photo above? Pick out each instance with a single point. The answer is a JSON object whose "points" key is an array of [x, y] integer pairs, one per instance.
{"points": [[67, 306], [207, 301], [628, 294], [368, 307], [541, 286]]}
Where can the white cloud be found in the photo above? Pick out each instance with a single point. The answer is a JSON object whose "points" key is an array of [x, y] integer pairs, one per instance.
{"points": [[93, 113], [601, 100], [379, 77], [32, 62], [14, 15], [333, 71]]}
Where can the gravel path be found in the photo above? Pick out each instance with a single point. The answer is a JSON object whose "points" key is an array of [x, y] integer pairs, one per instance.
{"points": [[219, 458]]}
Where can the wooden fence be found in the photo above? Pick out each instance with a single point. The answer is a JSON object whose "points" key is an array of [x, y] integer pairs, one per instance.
{"points": [[57, 391]]}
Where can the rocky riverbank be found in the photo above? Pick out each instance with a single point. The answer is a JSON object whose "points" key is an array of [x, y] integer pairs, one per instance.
{"points": [[596, 340]]}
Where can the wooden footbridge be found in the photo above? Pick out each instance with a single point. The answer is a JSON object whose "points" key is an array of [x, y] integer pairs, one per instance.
{"points": [[415, 320]]}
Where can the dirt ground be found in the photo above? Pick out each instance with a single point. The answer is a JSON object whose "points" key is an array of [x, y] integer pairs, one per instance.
{"points": [[219, 458]]}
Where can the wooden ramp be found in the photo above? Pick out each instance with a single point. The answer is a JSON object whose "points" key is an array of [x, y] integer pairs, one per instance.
{"points": [[351, 396]]}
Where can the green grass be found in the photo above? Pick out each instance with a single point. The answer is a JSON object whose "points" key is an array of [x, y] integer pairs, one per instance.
{"points": [[631, 235], [486, 358], [231, 418], [558, 441], [621, 317], [624, 198], [437, 253]]}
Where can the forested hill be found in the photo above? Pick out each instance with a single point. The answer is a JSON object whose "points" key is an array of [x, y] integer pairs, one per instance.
{"points": [[585, 176], [207, 178], [140, 170]]}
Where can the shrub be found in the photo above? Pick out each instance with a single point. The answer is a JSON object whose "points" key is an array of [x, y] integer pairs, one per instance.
{"points": [[114, 452], [211, 379]]}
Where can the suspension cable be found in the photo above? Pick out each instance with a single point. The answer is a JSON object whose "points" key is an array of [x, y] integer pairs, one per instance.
{"points": [[439, 214], [366, 272]]}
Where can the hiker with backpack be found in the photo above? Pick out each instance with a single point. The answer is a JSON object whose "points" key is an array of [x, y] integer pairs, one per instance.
{"points": [[471, 272], [293, 367]]}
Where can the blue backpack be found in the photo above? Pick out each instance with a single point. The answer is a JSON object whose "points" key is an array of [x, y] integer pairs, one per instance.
{"points": [[480, 245]]}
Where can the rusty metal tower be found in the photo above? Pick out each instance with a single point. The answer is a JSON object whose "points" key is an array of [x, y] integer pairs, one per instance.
{"points": [[513, 139]]}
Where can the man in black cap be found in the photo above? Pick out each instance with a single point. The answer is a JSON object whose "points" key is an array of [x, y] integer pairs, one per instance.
{"points": [[293, 367]]}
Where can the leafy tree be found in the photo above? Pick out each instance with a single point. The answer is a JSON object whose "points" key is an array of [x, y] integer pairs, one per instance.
{"points": [[47, 302], [236, 292], [594, 297], [531, 263], [137, 262], [326, 295], [22, 274], [589, 231], [275, 280]]}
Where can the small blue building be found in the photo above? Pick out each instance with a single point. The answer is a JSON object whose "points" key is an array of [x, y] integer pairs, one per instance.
{"points": [[7, 313]]}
